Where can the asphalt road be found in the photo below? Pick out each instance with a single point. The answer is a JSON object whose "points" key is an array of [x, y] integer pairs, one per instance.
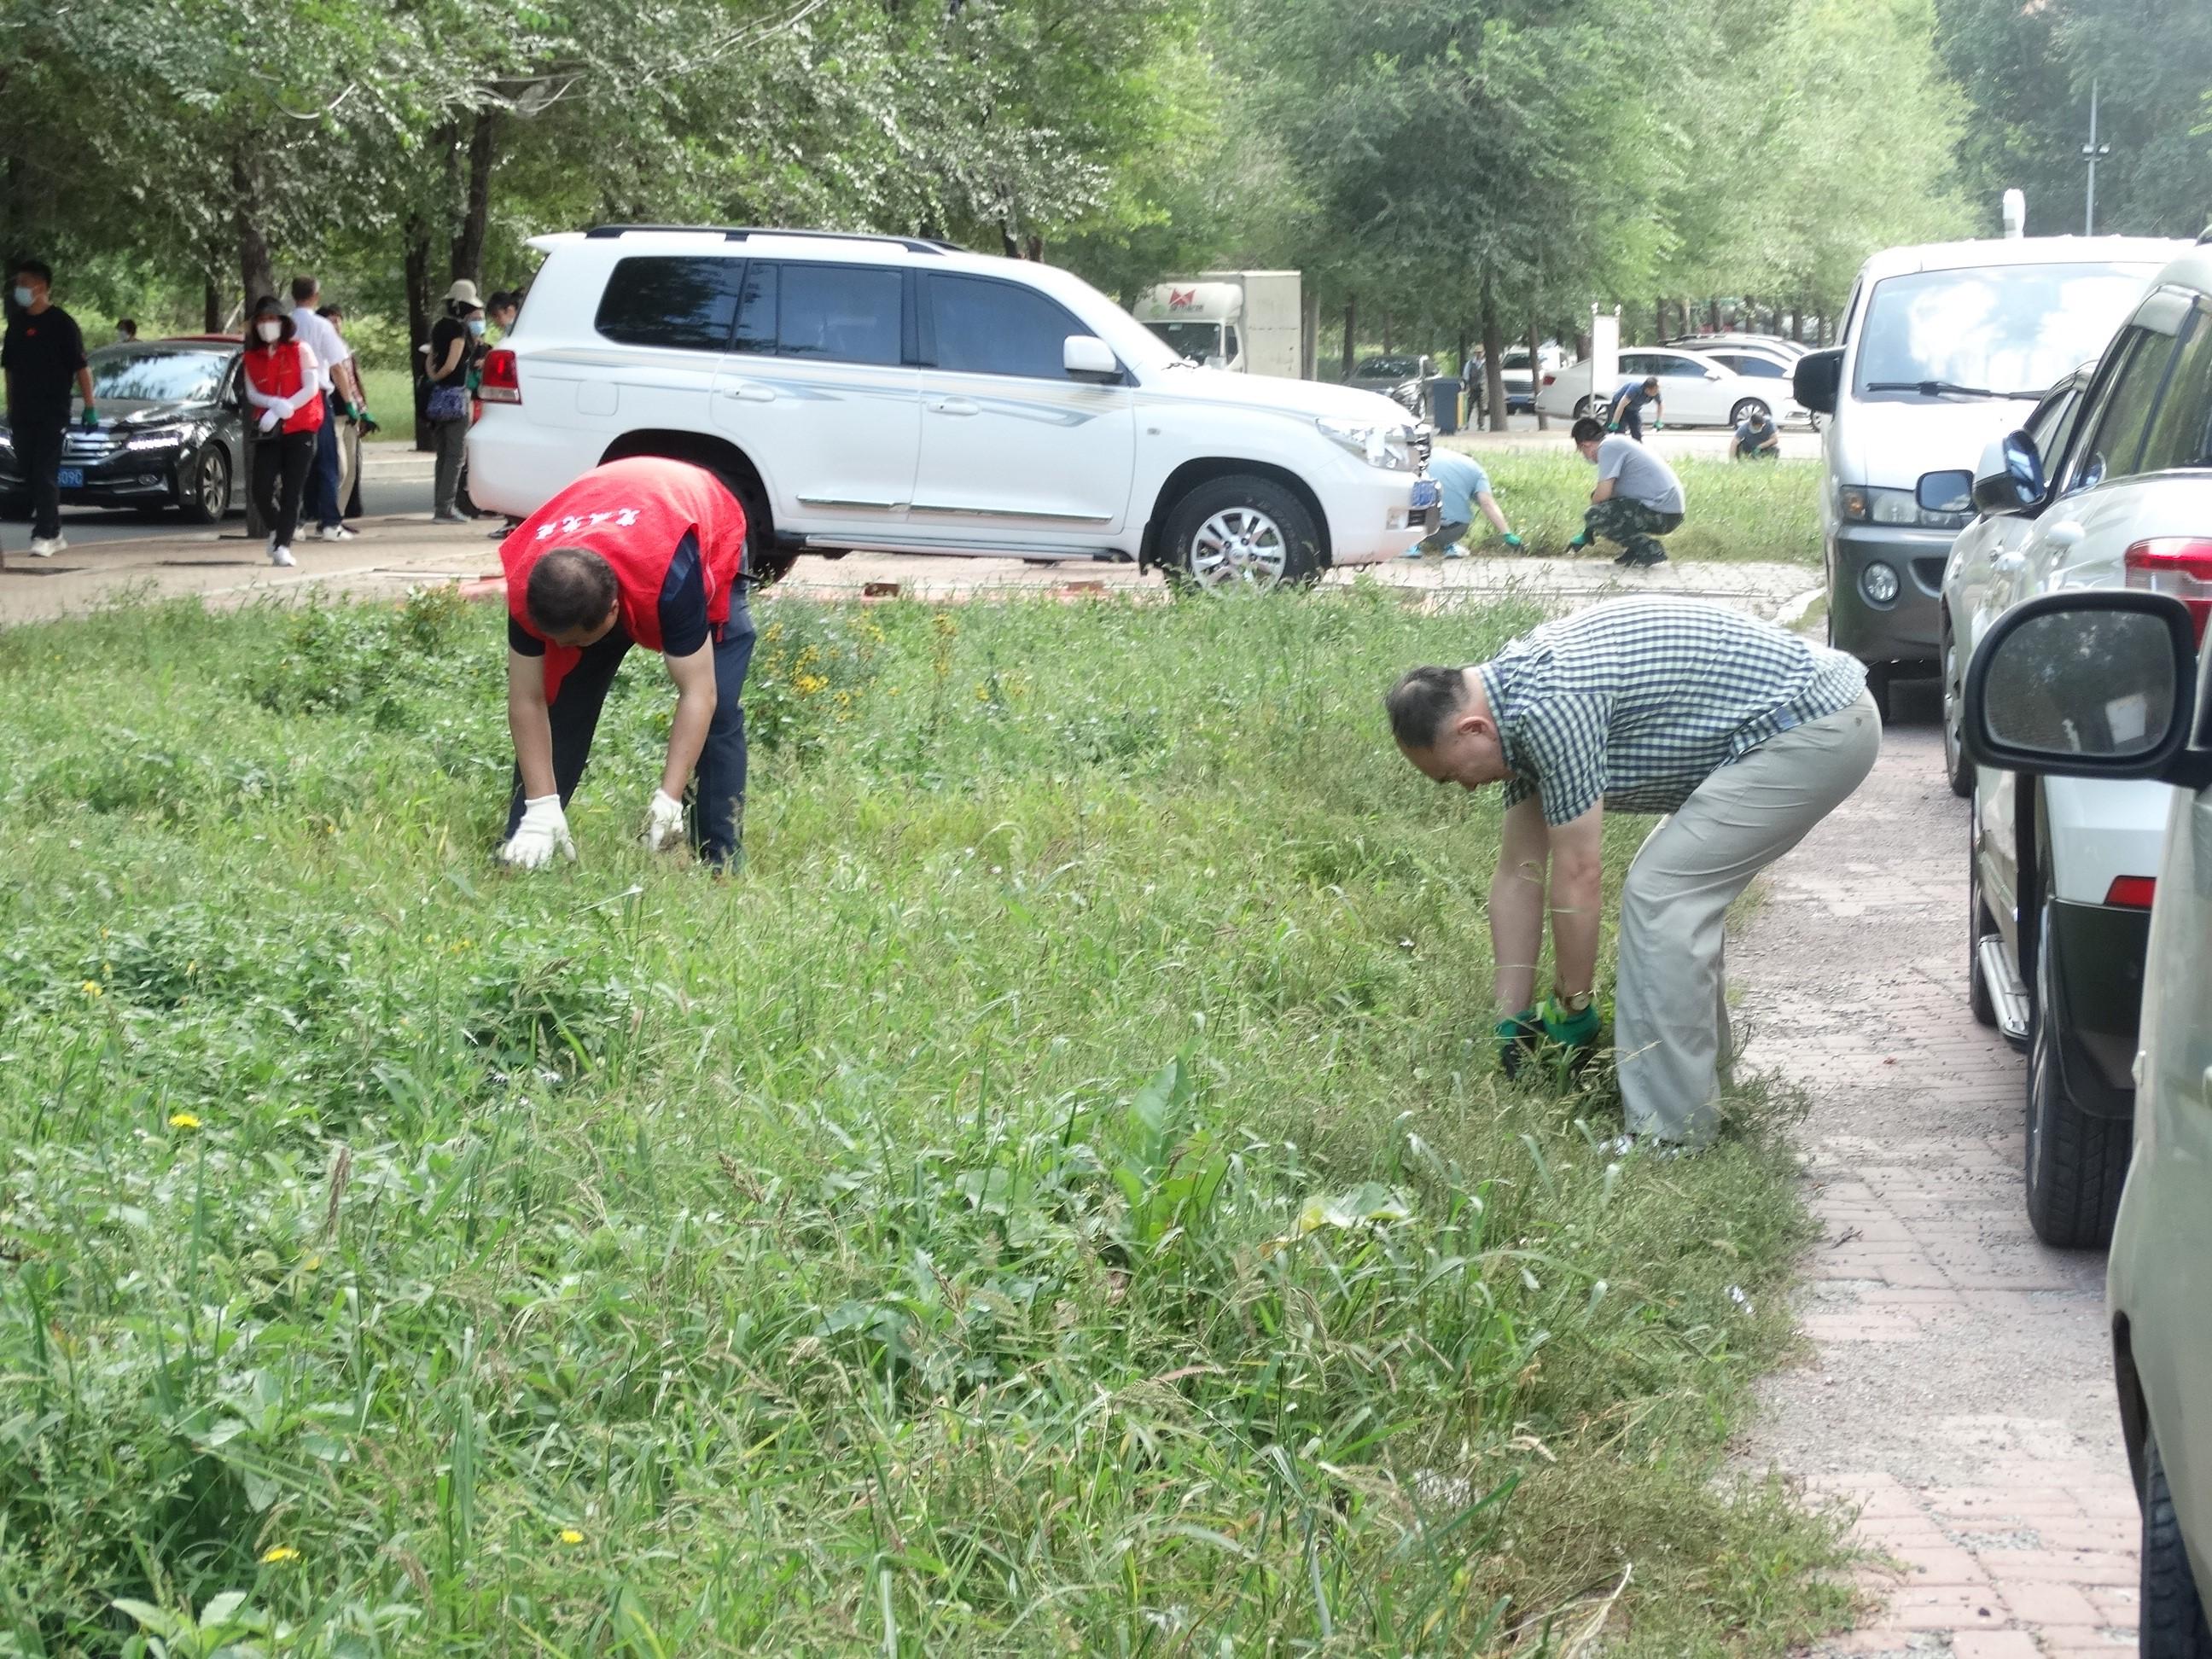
{"points": [[86, 525]]}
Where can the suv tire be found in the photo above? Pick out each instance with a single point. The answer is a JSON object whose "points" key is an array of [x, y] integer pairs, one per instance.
{"points": [[2171, 1611], [1979, 927], [1241, 533], [2076, 1162], [1958, 765]]}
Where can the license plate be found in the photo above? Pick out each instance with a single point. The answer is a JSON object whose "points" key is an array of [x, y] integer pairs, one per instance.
{"points": [[70, 478], [1426, 492]]}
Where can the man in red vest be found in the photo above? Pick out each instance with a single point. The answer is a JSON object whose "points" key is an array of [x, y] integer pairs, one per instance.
{"points": [[644, 551]]}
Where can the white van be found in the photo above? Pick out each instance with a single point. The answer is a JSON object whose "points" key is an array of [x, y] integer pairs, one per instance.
{"points": [[1945, 347]]}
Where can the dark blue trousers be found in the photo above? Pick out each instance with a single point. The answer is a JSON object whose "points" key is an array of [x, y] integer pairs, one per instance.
{"points": [[323, 478]]}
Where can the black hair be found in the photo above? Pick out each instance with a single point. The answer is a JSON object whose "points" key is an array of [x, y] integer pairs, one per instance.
{"points": [[130, 323], [37, 268], [458, 309], [1421, 702], [1651, 383], [303, 288], [571, 591], [500, 300], [328, 312], [1586, 431], [269, 305]]}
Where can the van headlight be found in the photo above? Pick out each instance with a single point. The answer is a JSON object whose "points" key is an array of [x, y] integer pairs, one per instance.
{"points": [[1870, 504], [1390, 446]]}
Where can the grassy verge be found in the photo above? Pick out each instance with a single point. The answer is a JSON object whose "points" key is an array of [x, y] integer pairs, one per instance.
{"points": [[391, 394], [1738, 511], [1056, 1199]]}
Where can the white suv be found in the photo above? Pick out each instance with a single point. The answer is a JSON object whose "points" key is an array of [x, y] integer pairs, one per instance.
{"points": [[902, 396]]}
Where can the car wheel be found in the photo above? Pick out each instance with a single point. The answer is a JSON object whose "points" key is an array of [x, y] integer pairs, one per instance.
{"points": [[1979, 927], [1241, 533], [2076, 1162], [2171, 1611], [1744, 411], [204, 496], [1582, 409], [1957, 766]]}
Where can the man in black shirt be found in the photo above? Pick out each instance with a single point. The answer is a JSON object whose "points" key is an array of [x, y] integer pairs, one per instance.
{"points": [[43, 353]]}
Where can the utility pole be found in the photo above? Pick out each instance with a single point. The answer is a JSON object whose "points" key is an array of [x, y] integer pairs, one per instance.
{"points": [[2090, 153]]}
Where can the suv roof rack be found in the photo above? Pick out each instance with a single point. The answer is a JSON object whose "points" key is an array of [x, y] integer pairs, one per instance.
{"points": [[740, 233]]}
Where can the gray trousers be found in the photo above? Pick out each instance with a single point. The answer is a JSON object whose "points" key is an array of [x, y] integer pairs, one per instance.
{"points": [[449, 442], [1670, 999]]}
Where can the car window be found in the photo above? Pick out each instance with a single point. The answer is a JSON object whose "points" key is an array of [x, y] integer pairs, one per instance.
{"points": [[1229, 346], [987, 327], [2013, 329], [683, 304], [2116, 430], [1758, 368], [2053, 423], [839, 314], [1637, 363], [757, 308], [159, 374], [1678, 368], [2180, 432]]}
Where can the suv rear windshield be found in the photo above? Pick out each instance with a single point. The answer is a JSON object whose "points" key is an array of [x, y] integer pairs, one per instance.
{"points": [[2013, 329], [686, 304]]}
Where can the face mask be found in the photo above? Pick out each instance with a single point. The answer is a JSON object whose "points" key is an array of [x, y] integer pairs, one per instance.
{"points": [[269, 331], [23, 296], [476, 325]]}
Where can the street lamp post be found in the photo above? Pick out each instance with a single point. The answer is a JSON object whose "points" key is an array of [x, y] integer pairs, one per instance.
{"points": [[2090, 153]]}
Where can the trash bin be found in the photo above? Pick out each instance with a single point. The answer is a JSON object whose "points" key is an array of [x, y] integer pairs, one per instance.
{"points": [[1444, 404]]}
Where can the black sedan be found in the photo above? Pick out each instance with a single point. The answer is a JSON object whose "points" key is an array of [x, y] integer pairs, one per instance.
{"points": [[170, 431]]}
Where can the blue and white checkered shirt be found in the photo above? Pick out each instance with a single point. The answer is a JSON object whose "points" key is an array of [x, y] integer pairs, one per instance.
{"points": [[1637, 702]]}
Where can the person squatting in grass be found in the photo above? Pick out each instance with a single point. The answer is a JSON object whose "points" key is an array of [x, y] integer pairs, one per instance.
{"points": [[1637, 498], [1741, 735], [644, 551], [1463, 486]]}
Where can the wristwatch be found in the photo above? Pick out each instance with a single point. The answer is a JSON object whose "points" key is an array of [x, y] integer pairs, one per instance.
{"points": [[1574, 1005]]}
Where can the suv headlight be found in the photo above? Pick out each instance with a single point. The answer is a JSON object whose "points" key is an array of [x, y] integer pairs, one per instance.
{"points": [[1390, 446], [1867, 504]]}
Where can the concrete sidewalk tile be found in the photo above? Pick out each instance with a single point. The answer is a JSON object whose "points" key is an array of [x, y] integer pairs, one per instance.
{"points": [[2045, 1604], [1950, 1606], [1995, 1645]]}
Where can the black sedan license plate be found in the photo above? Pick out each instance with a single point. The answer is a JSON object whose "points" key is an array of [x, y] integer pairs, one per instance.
{"points": [[1426, 492], [70, 478]]}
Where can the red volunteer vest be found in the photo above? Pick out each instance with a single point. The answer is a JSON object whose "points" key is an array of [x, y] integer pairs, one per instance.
{"points": [[633, 514], [275, 371]]}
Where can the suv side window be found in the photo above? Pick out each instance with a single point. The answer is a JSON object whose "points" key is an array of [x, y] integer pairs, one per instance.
{"points": [[757, 308], [987, 327], [2114, 438], [2053, 423], [840, 313], [2180, 433], [686, 303]]}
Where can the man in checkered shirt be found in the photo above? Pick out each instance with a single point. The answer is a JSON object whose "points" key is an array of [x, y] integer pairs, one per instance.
{"points": [[1743, 735]]}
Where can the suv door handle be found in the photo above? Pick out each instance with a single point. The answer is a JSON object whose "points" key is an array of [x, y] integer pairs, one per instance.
{"points": [[2010, 559], [2065, 533], [953, 406], [747, 392]]}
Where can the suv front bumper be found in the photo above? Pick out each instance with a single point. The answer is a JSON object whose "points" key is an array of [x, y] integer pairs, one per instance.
{"points": [[1372, 518], [1908, 629]]}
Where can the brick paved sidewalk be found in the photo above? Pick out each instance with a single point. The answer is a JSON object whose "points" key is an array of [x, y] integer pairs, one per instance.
{"points": [[1959, 1389]]}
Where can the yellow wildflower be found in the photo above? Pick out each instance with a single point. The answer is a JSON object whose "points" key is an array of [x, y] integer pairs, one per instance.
{"points": [[277, 1554], [570, 1535], [183, 1120], [92, 988]]}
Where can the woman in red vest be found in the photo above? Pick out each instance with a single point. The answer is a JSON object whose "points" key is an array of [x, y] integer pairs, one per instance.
{"points": [[280, 387], [644, 551]]}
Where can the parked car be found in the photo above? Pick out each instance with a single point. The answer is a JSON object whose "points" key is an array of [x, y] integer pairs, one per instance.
{"points": [[2063, 868], [1383, 373], [170, 433], [1519, 380], [1944, 347], [1711, 343], [1697, 390], [902, 396], [2104, 689]]}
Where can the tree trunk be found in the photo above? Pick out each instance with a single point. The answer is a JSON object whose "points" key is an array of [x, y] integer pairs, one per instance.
{"points": [[1713, 313], [415, 263], [476, 210], [1493, 357], [1386, 331], [1350, 331], [211, 307], [1659, 321], [1536, 375]]}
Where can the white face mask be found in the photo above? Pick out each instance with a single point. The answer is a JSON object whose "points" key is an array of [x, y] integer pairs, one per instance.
{"points": [[269, 331]]}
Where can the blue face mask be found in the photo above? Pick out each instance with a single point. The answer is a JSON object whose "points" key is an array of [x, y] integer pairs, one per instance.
{"points": [[476, 325], [23, 296]]}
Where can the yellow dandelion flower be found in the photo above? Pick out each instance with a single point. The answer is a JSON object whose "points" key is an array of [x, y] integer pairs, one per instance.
{"points": [[277, 1554], [92, 988], [183, 1120], [310, 1264], [570, 1535]]}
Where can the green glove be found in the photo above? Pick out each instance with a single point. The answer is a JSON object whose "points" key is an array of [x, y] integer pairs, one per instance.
{"points": [[1612, 425], [1512, 540], [91, 419], [361, 413], [1658, 426], [1580, 541], [1517, 1037], [1575, 1033]]}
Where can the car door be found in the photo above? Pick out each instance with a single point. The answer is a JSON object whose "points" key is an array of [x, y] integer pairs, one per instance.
{"points": [[820, 388], [1692, 389], [1012, 446]]}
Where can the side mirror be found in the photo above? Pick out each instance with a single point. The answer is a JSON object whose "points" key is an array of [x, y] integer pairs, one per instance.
{"points": [[2094, 683], [1087, 357], [1813, 383], [1945, 492], [2011, 480]]}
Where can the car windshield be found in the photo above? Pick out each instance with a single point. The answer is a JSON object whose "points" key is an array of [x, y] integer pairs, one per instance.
{"points": [[1195, 340], [2008, 329], [157, 374], [1390, 369]]}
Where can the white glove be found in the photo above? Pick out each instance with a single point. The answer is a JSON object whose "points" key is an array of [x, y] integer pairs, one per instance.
{"points": [[664, 822], [269, 418], [543, 831]]}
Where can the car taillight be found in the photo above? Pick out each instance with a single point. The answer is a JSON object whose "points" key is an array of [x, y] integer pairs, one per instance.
{"points": [[2179, 565], [1548, 378], [499, 384], [2132, 892]]}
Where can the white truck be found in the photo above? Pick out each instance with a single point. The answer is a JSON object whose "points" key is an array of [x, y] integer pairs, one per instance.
{"points": [[1249, 322]]}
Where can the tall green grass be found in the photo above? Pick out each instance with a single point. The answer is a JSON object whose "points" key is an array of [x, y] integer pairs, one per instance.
{"points": [[1056, 1198], [1738, 510]]}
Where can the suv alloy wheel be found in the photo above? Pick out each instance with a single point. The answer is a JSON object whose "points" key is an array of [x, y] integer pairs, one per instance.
{"points": [[1957, 765], [1241, 533]]}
